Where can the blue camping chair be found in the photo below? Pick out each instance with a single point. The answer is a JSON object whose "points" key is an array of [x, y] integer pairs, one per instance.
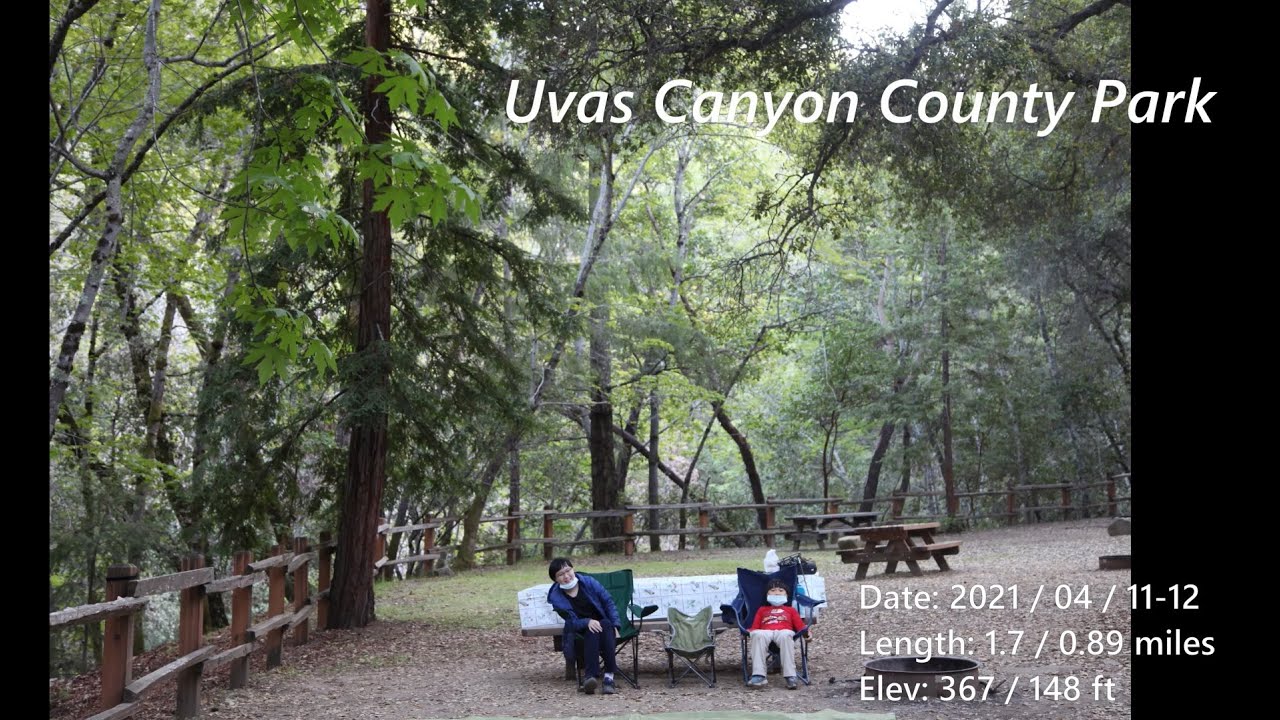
{"points": [[751, 595]]}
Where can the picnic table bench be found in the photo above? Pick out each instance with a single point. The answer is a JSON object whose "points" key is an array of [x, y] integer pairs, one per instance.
{"points": [[891, 544], [818, 527]]}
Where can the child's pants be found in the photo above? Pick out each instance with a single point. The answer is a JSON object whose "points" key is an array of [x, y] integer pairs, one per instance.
{"points": [[760, 640]]}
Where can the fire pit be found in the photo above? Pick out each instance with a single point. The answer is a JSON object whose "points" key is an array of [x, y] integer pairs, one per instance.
{"points": [[916, 679], [1114, 562]]}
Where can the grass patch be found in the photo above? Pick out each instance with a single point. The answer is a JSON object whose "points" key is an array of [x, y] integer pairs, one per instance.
{"points": [[485, 599]]}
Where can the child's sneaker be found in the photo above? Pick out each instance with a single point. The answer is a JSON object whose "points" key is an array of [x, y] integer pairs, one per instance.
{"points": [[609, 687], [791, 683], [757, 681], [589, 686]]}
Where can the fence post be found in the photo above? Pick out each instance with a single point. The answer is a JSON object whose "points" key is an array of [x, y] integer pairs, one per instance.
{"points": [[275, 606], [190, 638], [1010, 503], [1111, 496], [629, 529], [301, 590], [1066, 503], [770, 522], [704, 524], [833, 507], [513, 537], [548, 533], [117, 646], [896, 506], [241, 608]]}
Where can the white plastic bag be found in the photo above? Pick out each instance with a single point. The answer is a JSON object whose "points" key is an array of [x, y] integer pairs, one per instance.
{"points": [[771, 561]]}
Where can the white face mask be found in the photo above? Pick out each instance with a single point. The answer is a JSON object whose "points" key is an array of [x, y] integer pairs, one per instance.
{"points": [[776, 600], [569, 586]]}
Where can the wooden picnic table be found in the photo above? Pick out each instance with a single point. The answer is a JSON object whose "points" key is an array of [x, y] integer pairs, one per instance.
{"points": [[833, 524], [891, 544]]}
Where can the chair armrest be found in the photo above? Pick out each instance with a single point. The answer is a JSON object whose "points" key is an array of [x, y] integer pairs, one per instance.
{"points": [[642, 612], [729, 615], [807, 604]]}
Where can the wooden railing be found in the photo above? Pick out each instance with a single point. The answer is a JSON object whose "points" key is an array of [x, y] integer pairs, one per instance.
{"points": [[1024, 501], [1020, 501], [128, 594]]}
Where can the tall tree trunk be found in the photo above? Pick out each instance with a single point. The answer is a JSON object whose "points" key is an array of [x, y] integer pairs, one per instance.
{"points": [[905, 485], [1068, 416], [748, 462], [604, 487], [352, 603], [508, 346], [466, 557], [513, 486], [1019, 455], [829, 426], [655, 541], [872, 485], [948, 453]]}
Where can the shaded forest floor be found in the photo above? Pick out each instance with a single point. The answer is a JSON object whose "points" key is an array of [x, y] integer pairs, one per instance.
{"points": [[421, 662]]}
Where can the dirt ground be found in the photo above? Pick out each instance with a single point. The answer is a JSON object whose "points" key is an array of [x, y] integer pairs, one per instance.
{"points": [[1063, 667]]}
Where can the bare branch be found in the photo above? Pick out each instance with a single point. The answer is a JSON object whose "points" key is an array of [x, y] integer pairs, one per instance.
{"points": [[100, 174], [1070, 23], [75, 10]]}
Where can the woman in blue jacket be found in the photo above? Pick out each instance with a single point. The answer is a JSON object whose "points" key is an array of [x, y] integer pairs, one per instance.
{"points": [[589, 611]]}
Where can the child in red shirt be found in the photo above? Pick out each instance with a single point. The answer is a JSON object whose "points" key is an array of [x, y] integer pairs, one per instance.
{"points": [[776, 622]]}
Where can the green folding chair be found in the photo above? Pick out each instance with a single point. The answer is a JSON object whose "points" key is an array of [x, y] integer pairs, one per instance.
{"points": [[621, 587], [690, 638]]}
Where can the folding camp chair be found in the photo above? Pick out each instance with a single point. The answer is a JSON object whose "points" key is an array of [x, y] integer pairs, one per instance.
{"points": [[751, 595], [621, 587], [690, 638]]}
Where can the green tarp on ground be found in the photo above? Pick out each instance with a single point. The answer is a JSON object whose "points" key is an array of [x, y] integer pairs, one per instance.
{"points": [[717, 715]]}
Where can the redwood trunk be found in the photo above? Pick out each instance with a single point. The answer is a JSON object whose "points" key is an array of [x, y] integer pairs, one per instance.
{"points": [[604, 485], [351, 597]]}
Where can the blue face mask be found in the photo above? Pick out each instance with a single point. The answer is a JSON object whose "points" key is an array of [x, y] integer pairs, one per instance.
{"points": [[776, 600], [569, 586]]}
